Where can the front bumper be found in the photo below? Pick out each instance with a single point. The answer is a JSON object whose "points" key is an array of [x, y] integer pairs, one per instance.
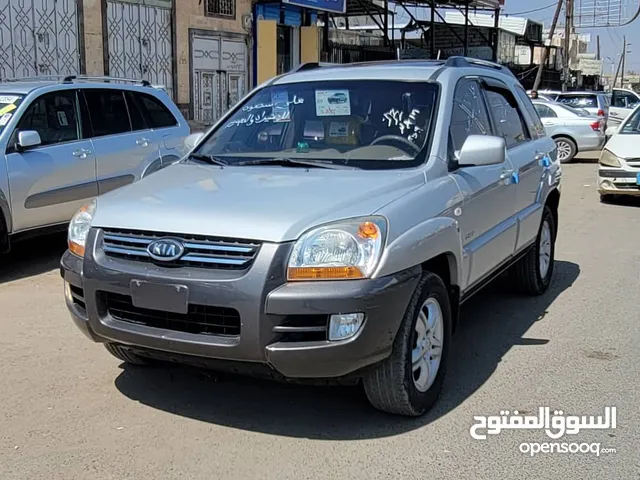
{"points": [[264, 302], [618, 181]]}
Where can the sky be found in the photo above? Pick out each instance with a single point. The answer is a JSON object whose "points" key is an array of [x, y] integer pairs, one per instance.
{"points": [[611, 38]]}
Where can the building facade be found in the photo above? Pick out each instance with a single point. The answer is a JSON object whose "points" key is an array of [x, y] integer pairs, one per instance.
{"points": [[200, 51]]}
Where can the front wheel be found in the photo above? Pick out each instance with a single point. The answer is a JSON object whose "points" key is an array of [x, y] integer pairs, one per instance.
{"points": [[567, 149], [410, 380], [532, 274]]}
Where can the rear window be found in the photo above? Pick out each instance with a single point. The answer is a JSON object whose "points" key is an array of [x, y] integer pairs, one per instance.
{"points": [[579, 101], [157, 114], [108, 110], [8, 104]]}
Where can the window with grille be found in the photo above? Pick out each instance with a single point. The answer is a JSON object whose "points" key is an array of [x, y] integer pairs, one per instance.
{"points": [[220, 8]]}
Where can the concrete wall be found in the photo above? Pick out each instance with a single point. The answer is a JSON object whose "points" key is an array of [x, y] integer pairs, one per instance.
{"points": [[93, 42]]}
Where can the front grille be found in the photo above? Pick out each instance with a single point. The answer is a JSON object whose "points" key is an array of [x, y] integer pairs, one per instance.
{"points": [[199, 251], [200, 319], [302, 328]]}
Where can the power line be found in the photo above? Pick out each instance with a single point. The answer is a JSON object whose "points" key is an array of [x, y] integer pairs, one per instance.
{"points": [[534, 10]]}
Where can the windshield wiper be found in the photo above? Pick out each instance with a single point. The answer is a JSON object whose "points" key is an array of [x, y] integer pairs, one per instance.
{"points": [[208, 159], [294, 162]]}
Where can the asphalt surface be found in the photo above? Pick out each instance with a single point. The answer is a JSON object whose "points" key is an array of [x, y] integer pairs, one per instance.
{"points": [[71, 411]]}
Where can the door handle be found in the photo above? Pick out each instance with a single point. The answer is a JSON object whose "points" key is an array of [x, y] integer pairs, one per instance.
{"points": [[81, 153], [143, 142]]}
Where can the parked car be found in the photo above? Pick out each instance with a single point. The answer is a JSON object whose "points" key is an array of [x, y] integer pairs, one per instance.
{"points": [[339, 254], [623, 102], [619, 164], [573, 130], [65, 142]]}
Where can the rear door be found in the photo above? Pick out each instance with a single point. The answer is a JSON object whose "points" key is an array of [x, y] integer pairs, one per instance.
{"points": [[518, 122], [167, 129], [622, 104], [124, 144], [51, 181]]}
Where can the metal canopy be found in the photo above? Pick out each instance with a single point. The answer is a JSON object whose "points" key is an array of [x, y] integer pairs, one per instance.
{"points": [[471, 4], [361, 8], [604, 13]]}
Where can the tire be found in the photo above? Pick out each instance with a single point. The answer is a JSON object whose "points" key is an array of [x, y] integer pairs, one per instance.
{"points": [[391, 386], [606, 198], [126, 355], [565, 144], [528, 274]]}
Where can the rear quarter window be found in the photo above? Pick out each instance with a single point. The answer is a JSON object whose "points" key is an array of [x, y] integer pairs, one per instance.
{"points": [[156, 113]]}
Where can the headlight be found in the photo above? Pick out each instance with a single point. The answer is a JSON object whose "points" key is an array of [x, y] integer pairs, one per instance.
{"points": [[608, 159], [79, 228], [339, 251]]}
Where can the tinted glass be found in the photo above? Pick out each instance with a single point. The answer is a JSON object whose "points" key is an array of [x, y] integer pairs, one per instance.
{"points": [[109, 115], [8, 104], [53, 116], [508, 121], [624, 99], [469, 115], [579, 101], [369, 124], [137, 120], [536, 129], [632, 123], [157, 114], [544, 111]]}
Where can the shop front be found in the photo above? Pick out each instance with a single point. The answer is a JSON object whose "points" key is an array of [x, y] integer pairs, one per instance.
{"points": [[287, 34]]}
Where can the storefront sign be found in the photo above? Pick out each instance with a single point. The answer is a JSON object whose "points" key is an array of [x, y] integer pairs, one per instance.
{"points": [[336, 6], [590, 66]]}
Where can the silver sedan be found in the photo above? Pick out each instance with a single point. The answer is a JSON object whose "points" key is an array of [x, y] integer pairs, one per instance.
{"points": [[573, 130]]}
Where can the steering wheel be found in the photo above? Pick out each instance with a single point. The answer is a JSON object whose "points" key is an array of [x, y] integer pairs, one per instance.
{"points": [[398, 138]]}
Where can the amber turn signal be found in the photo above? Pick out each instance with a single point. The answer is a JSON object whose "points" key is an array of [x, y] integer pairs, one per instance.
{"points": [[324, 273]]}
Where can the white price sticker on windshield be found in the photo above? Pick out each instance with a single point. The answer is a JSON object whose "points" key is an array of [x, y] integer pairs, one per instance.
{"points": [[8, 98], [333, 103], [4, 119]]}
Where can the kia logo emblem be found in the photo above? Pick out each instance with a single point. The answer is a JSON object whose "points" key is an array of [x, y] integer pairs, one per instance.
{"points": [[165, 250]]}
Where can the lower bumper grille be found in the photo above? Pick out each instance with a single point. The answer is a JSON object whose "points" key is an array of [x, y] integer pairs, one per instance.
{"points": [[200, 319]]}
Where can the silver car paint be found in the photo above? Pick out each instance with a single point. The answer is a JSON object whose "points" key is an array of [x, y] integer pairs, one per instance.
{"points": [[45, 186], [476, 216], [573, 126]]}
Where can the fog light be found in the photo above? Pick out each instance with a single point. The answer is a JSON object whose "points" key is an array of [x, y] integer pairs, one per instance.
{"points": [[344, 325], [606, 184], [67, 292]]}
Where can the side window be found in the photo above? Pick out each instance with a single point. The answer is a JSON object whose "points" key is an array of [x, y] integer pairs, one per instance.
{"points": [[109, 115], [157, 114], [54, 116], [469, 115], [535, 125], [544, 111], [135, 112], [507, 119], [624, 99]]}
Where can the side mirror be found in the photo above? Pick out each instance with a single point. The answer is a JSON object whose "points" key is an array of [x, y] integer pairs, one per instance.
{"points": [[28, 139], [192, 140], [611, 131], [480, 150]]}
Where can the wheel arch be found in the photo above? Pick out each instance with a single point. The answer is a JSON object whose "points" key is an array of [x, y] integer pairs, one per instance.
{"points": [[5, 222], [553, 202]]}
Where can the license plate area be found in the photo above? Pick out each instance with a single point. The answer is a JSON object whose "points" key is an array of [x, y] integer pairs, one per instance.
{"points": [[156, 296]]}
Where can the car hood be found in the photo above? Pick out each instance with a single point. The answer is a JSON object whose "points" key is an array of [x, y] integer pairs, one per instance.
{"points": [[272, 204], [624, 146]]}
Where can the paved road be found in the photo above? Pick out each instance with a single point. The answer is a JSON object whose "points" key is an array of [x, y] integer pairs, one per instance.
{"points": [[70, 411]]}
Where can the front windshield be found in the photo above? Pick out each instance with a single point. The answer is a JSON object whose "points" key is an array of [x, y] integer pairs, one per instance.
{"points": [[632, 123], [368, 124], [8, 104]]}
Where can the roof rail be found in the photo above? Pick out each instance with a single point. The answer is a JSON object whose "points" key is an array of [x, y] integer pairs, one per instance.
{"points": [[107, 79], [459, 61], [312, 66], [34, 78]]}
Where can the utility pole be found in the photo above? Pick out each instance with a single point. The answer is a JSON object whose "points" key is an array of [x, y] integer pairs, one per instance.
{"points": [[598, 47], [568, 9], [547, 48], [624, 56], [615, 78]]}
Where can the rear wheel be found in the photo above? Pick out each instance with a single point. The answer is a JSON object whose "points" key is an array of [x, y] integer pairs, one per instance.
{"points": [[410, 380], [567, 149], [532, 274], [125, 354]]}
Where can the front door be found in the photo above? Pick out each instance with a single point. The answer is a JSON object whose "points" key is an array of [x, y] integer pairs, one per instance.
{"points": [[622, 104], [487, 220], [51, 181]]}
